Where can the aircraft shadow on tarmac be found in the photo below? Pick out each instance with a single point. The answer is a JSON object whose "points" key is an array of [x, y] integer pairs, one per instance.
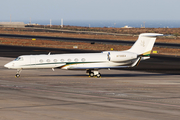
{"points": [[111, 75], [33, 106]]}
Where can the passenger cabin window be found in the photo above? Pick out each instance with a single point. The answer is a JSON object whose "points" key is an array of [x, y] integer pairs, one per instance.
{"points": [[55, 60], [19, 59], [76, 60], [48, 60], [69, 60], [41, 61], [62, 60], [83, 59]]}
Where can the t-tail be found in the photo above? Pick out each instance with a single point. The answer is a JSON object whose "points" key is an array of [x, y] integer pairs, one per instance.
{"points": [[143, 46]]}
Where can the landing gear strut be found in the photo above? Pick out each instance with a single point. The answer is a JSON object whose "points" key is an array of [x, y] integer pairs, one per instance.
{"points": [[18, 73], [93, 73]]}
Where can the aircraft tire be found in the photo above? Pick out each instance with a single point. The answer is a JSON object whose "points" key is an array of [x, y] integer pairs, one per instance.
{"points": [[91, 74], [98, 75], [17, 75]]}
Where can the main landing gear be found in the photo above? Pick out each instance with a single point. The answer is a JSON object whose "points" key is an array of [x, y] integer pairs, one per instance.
{"points": [[93, 73], [18, 73]]}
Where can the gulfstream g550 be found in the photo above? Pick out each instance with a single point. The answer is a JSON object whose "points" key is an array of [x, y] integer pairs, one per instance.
{"points": [[91, 62]]}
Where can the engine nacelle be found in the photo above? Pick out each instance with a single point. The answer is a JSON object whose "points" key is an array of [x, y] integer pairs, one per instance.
{"points": [[120, 56]]}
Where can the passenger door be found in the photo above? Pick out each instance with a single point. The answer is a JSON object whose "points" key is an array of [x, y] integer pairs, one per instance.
{"points": [[33, 61]]}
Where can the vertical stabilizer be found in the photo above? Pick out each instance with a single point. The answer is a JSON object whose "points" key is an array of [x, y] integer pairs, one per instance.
{"points": [[144, 44]]}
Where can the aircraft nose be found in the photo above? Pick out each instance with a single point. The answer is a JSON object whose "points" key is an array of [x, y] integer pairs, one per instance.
{"points": [[8, 65]]}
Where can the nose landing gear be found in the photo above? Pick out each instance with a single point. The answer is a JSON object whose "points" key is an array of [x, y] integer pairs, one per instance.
{"points": [[18, 73]]}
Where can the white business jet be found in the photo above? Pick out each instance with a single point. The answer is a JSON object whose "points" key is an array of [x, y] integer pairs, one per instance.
{"points": [[91, 62]]}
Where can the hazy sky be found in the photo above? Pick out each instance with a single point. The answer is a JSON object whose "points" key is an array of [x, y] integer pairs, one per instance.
{"points": [[90, 9]]}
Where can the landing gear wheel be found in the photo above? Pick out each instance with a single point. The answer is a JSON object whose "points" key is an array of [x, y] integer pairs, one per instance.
{"points": [[91, 74], [17, 75], [98, 75]]}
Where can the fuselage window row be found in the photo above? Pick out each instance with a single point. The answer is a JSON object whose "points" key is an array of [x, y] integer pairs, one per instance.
{"points": [[62, 60]]}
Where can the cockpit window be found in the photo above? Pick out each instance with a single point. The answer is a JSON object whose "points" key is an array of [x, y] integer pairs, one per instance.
{"points": [[19, 59]]}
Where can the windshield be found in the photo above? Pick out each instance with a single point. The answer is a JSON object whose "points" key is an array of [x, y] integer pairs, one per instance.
{"points": [[18, 59]]}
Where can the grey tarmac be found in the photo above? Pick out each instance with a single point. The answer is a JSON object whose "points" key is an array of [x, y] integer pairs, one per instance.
{"points": [[43, 94]]}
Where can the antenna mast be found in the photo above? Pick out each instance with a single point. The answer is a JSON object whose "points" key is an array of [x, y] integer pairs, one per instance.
{"points": [[50, 22]]}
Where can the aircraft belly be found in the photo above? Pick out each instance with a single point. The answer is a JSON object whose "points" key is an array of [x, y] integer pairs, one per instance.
{"points": [[93, 65], [42, 66]]}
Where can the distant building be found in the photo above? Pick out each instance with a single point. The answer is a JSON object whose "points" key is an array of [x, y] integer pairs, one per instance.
{"points": [[12, 24], [127, 26]]}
